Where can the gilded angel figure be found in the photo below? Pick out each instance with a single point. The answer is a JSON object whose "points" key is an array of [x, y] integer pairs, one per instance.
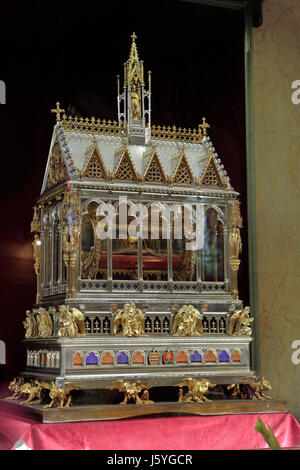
{"points": [[188, 322], [129, 321], [44, 323], [240, 323], [71, 322], [30, 325]]}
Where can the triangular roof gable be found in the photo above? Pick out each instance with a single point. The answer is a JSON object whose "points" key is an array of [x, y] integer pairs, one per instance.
{"points": [[182, 173], [154, 172], [94, 167], [56, 168], [210, 175], [125, 170]]}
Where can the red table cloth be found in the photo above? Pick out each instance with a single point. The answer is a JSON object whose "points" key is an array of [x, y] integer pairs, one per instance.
{"points": [[222, 432]]}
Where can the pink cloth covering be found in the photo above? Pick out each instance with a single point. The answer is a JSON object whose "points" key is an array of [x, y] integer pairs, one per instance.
{"points": [[223, 432]]}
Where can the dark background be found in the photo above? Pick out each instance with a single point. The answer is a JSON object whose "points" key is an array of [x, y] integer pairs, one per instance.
{"points": [[71, 52]]}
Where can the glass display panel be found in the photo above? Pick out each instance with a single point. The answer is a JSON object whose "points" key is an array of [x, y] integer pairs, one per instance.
{"points": [[212, 255], [155, 250], [124, 248]]}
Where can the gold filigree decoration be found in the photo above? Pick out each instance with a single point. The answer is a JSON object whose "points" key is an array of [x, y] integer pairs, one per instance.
{"points": [[182, 173], [132, 391], [134, 79], [133, 68], [35, 226], [173, 133], [92, 126], [129, 321], [57, 168], [196, 390], [235, 216], [188, 322], [125, 170], [154, 172], [104, 127], [95, 168]]}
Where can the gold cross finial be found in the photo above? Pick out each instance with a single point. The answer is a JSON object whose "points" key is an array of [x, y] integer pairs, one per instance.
{"points": [[57, 111], [133, 36], [204, 126]]}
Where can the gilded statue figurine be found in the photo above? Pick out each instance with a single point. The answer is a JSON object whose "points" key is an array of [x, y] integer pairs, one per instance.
{"points": [[15, 386], [131, 392], [60, 396], [188, 322], [44, 323], [235, 242], [240, 323], [129, 321], [251, 388], [71, 323], [135, 105], [196, 390], [30, 325], [36, 253]]}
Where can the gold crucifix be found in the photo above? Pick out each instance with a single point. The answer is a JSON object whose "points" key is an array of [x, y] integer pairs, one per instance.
{"points": [[57, 111], [204, 126]]}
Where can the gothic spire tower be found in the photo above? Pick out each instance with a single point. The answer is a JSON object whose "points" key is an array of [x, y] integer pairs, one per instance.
{"points": [[134, 104]]}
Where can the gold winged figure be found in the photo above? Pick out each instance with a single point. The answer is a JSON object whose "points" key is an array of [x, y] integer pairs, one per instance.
{"points": [[240, 323], [196, 390], [14, 386], [71, 322], [30, 325], [129, 321], [32, 389], [132, 390], [44, 323], [188, 322], [251, 388], [60, 396]]}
